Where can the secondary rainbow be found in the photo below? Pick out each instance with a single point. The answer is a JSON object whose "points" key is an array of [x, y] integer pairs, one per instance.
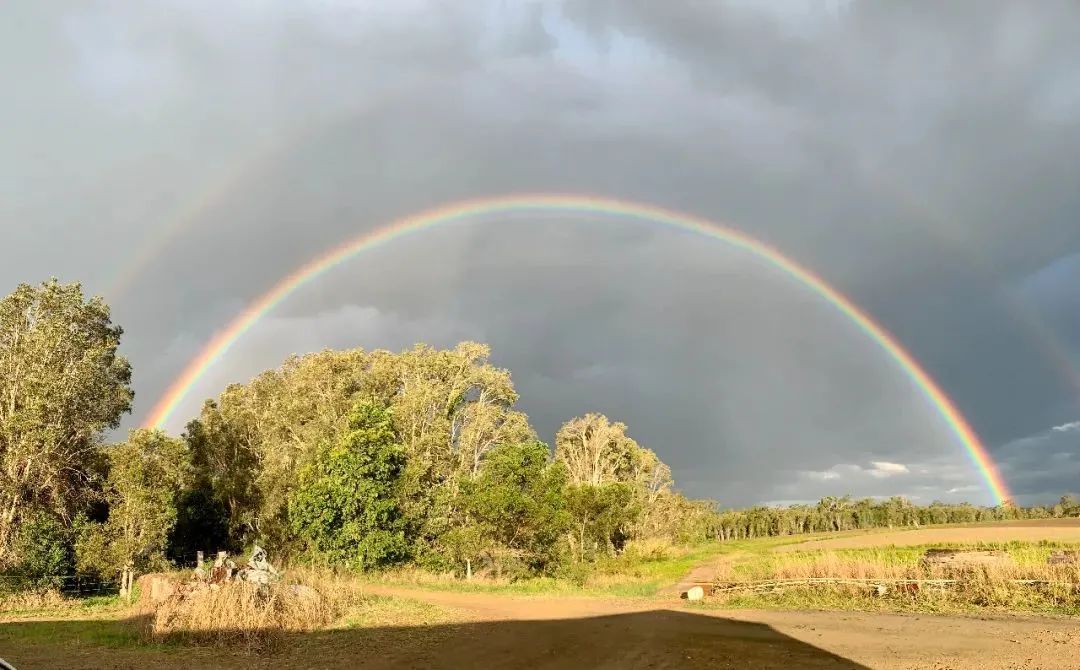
{"points": [[584, 204]]}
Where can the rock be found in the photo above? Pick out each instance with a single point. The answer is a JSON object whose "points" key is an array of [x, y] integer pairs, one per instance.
{"points": [[155, 588], [304, 592], [694, 593]]}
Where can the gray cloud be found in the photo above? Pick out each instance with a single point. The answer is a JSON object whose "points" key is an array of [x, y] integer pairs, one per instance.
{"points": [[921, 159], [1048, 461]]}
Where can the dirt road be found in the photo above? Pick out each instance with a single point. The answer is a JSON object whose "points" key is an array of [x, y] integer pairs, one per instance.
{"points": [[560, 633], [582, 633]]}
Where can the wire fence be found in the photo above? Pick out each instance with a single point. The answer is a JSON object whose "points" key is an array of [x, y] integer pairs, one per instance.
{"points": [[70, 585], [84, 586], [775, 584]]}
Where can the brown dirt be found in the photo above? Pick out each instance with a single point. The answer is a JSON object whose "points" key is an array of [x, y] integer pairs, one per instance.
{"points": [[497, 631], [1061, 530]]}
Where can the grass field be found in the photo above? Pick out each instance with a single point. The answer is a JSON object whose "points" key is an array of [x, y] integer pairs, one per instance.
{"points": [[883, 571], [1033, 530]]}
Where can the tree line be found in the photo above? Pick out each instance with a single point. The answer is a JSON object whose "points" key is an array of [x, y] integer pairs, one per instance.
{"points": [[362, 459]]}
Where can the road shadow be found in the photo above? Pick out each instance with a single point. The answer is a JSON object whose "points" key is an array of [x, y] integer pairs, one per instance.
{"points": [[652, 639]]}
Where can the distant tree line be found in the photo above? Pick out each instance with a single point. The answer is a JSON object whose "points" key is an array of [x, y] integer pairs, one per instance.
{"points": [[350, 458], [845, 513]]}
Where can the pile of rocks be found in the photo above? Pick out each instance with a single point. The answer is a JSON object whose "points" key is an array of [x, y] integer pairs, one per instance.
{"points": [[156, 588]]}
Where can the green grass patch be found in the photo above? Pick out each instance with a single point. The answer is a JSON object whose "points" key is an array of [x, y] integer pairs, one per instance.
{"points": [[112, 633], [381, 611], [634, 574]]}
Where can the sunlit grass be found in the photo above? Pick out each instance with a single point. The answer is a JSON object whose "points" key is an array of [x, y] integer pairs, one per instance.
{"points": [[995, 587]]}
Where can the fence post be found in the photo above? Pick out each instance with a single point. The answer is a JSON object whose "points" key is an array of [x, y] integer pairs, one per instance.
{"points": [[127, 579], [198, 559]]}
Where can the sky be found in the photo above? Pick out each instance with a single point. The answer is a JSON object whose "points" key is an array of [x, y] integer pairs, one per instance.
{"points": [[179, 157]]}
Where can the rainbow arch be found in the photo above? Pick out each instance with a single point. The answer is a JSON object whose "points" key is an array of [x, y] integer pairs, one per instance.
{"points": [[222, 341]]}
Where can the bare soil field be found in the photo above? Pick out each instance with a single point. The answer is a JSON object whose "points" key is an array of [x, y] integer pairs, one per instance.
{"points": [[496, 631], [1033, 530]]}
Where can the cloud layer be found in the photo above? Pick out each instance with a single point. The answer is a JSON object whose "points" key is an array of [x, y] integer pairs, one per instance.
{"points": [[921, 159]]}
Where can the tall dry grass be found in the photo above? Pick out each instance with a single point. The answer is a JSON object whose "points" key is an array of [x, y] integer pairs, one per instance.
{"points": [[243, 615], [32, 600], [881, 578]]}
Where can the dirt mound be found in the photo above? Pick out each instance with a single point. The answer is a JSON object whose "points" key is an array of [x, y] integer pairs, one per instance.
{"points": [[962, 558]]}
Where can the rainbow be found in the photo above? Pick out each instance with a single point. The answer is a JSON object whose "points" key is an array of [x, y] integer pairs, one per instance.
{"points": [[220, 344]]}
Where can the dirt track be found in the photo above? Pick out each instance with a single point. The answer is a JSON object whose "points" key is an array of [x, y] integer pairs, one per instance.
{"points": [[561, 633]]}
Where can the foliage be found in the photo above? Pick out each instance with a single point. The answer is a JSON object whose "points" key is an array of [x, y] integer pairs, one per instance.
{"points": [[516, 508], [225, 469], [146, 476], [43, 549], [201, 524], [602, 518], [62, 384], [345, 504], [596, 451]]}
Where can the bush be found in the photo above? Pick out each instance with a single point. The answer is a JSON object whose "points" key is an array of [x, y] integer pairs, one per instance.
{"points": [[44, 551], [345, 505]]}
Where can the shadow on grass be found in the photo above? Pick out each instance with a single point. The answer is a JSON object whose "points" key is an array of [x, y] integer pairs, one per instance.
{"points": [[653, 639]]}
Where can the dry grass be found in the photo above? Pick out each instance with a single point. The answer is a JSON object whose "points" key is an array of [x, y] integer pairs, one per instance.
{"points": [[30, 601], [850, 579], [242, 615]]}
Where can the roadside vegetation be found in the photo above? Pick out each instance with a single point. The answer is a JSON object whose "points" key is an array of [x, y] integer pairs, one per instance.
{"points": [[1012, 577]]}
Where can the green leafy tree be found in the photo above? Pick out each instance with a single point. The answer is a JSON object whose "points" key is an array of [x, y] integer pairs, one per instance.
{"points": [[518, 502], [61, 385], [602, 517], [345, 504], [218, 511], [44, 549], [146, 477]]}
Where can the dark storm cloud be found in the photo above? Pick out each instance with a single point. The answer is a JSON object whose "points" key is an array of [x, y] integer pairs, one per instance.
{"points": [[921, 159], [1042, 465]]}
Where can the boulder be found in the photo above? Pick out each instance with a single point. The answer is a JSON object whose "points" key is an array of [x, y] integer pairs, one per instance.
{"points": [[156, 587]]}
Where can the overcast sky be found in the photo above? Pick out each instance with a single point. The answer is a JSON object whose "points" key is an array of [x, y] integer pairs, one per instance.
{"points": [[179, 157]]}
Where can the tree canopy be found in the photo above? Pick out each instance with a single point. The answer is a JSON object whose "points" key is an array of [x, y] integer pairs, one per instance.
{"points": [[62, 384]]}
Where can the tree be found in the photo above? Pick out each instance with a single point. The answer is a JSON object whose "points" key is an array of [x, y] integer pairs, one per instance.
{"points": [[345, 504], [222, 505], [147, 475], [44, 551], [595, 450], [601, 518], [518, 504], [61, 385], [449, 409]]}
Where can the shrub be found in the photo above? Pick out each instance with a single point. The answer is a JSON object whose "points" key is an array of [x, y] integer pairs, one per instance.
{"points": [[44, 552], [345, 505]]}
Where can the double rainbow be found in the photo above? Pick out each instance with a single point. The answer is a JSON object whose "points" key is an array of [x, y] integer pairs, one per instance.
{"points": [[586, 204]]}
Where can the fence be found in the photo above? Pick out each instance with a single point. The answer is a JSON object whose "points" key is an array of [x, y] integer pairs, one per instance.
{"points": [[71, 585], [777, 584]]}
